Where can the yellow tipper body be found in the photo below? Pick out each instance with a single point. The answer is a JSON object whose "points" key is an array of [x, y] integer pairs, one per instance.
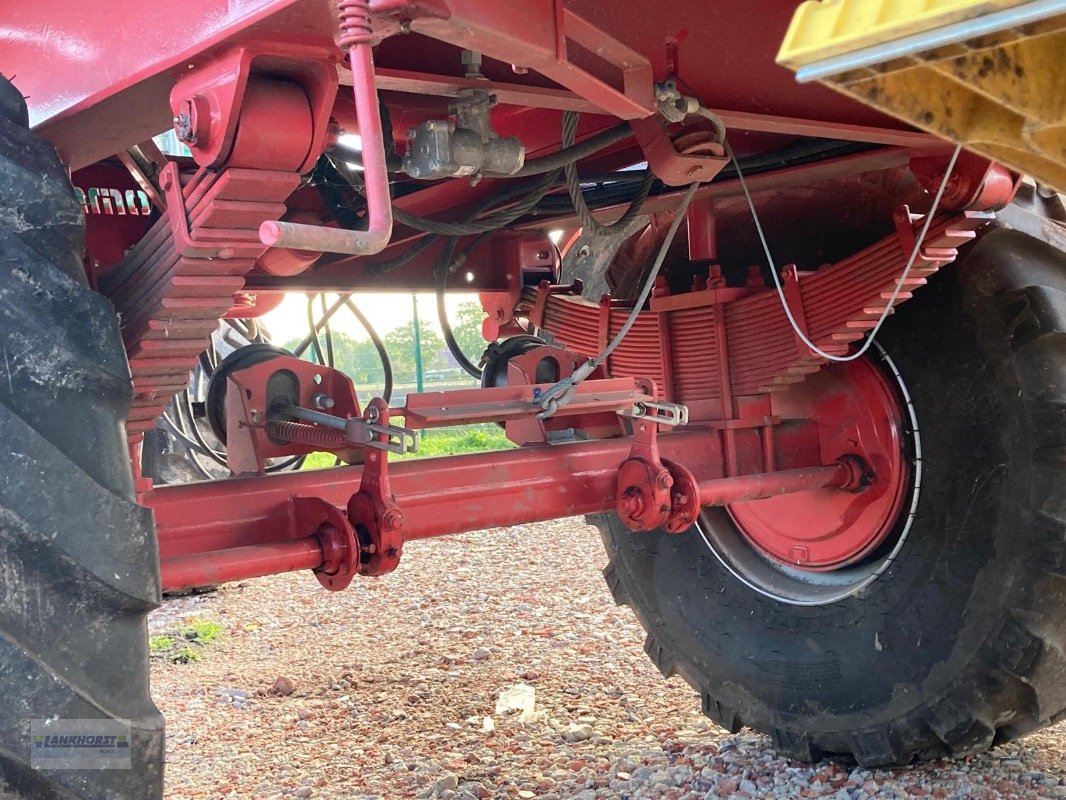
{"points": [[989, 75]]}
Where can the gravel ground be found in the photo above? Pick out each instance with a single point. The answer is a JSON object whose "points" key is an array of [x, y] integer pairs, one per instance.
{"points": [[394, 685]]}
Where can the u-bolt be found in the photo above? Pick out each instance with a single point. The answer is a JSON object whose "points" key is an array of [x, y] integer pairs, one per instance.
{"points": [[356, 36]]}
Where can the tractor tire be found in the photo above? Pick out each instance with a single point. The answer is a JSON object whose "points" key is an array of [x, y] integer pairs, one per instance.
{"points": [[79, 561], [960, 643]]}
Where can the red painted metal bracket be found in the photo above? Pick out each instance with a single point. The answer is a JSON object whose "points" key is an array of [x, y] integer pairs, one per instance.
{"points": [[543, 36], [257, 427], [209, 101], [680, 160], [373, 510], [642, 494]]}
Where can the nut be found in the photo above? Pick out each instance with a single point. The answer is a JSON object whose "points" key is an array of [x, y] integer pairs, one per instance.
{"points": [[392, 520]]}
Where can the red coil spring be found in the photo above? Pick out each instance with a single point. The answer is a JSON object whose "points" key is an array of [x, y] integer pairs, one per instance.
{"points": [[307, 435], [355, 22]]}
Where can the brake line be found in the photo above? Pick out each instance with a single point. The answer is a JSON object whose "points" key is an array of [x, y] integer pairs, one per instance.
{"points": [[559, 393], [899, 282]]}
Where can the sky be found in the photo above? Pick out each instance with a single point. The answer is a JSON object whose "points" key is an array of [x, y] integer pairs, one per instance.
{"points": [[384, 310]]}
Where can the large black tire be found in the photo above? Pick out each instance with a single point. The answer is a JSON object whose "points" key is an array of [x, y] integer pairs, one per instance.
{"points": [[960, 644], [79, 566]]}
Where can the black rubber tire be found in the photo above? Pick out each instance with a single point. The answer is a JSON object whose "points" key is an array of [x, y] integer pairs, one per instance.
{"points": [[241, 358], [79, 561], [960, 644]]}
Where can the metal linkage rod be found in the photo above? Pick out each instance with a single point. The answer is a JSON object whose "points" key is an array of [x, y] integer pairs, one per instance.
{"points": [[723, 491], [356, 36]]}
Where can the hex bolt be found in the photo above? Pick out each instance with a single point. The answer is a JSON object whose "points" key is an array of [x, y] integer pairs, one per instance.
{"points": [[256, 417], [183, 128], [664, 480], [471, 61], [392, 520]]}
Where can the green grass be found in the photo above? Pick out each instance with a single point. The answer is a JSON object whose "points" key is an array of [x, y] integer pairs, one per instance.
{"points": [[438, 442], [201, 631], [465, 439], [186, 644], [185, 655]]}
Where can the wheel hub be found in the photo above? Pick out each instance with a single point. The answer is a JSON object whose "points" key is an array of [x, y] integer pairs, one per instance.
{"points": [[858, 413]]}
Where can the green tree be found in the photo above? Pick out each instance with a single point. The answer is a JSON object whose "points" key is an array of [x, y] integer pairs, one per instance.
{"points": [[401, 345], [467, 329], [356, 358]]}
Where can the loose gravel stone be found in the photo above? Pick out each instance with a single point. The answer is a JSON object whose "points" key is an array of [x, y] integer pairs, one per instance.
{"points": [[386, 698]]}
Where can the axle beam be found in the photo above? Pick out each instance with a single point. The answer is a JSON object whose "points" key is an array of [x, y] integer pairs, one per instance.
{"points": [[845, 474], [248, 527]]}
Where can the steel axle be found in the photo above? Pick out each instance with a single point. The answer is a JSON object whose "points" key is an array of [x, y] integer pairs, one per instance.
{"points": [[252, 527]]}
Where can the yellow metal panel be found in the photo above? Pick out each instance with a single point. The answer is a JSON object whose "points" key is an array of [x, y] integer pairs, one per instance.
{"points": [[824, 28], [1001, 93]]}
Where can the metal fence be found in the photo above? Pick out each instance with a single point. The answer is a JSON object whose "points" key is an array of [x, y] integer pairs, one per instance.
{"points": [[419, 358]]}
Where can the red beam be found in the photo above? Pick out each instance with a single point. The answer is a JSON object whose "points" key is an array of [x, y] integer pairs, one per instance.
{"points": [[248, 527], [438, 496], [723, 491], [398, 80], [239, 563], [826, 129], [806, 175]]}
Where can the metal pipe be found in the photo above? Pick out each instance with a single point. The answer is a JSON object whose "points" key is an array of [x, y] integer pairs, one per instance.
{"points": [[723, 491], [355, 27], [238, 563], [317, 417]]}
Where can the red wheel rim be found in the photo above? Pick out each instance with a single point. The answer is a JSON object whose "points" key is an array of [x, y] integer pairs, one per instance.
{"points": [[858, 412]]}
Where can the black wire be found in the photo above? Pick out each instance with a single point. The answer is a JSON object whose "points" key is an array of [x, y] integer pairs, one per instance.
{"points": [[329, 333], [381, 267], [492, 222], [379, 345], [568, 155], [441, 272], [589, 223], [314, 330], [375, 337], [295, 463]]}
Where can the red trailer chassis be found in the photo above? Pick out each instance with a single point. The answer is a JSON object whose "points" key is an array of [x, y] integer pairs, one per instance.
{"points": [[755, 432], [253, 92]]}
